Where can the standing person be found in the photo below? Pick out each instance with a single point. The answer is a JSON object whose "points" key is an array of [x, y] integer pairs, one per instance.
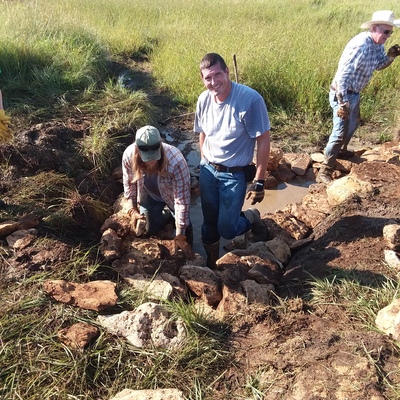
{"points": [[230, 119], [363, 55], [156, 175]]}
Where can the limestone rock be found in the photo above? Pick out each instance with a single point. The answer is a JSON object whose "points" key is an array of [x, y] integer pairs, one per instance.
{"points": [[152, 288], [149, 394], [257, 293], [120, 223], [388, 319], [280, 249], [275, 157], [342, 189], [148, 325], [391, 234], [283, 173], [392, 259]]}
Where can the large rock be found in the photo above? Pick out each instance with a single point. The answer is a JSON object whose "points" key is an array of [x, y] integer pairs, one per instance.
{"points": [[342, 189], [96, 295], [275, 157], [203, 282], [388, 319], [391, 234], [386, 152], [149, 394], [111, 245], [299, 163], [149, 325]]}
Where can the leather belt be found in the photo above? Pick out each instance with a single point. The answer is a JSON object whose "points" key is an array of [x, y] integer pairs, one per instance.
{"points": [[222, 168], [348, 91]]}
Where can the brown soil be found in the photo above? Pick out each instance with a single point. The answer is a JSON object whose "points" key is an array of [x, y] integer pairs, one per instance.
{"points": [[296, 349]]}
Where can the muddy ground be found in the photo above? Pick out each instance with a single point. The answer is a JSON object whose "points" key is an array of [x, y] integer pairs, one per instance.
{"points": [[296, 349]]}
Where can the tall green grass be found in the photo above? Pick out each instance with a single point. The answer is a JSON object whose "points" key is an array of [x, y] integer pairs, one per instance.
{"points": [[286, 50]]}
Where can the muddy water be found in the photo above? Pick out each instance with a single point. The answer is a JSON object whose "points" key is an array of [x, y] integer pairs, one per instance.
{"points": [[274, 200]]}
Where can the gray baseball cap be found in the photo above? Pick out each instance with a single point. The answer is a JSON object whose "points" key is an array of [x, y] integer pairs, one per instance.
{"points": [[148, 141]]}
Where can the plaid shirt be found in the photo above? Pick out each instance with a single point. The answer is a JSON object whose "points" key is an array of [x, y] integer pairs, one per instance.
{"points": [[360, 58], [174, 186]]}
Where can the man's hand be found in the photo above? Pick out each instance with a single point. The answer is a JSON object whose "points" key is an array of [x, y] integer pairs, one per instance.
{"points": [[181, 243], [256, 192], [344, 111], [394, 51]]}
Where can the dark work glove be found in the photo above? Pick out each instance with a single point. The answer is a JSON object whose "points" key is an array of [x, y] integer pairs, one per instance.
{"points": [[344, 111], [256, 192], [394, 51], [180, 242]]}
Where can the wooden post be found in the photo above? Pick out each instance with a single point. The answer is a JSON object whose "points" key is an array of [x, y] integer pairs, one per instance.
{"points": [[235, 67]]}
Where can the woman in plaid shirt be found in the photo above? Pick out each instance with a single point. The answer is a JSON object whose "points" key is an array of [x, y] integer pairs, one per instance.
{"points": [[156, 175]]}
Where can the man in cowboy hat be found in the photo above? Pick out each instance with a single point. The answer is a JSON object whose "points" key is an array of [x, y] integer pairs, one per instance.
{"points": [[363, 55]]}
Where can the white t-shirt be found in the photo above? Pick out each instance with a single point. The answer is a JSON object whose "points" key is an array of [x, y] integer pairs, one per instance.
{"points": [[231, 128]]}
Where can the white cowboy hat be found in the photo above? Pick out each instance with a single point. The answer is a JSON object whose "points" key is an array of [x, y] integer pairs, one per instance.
{"points": [[383, 17]]}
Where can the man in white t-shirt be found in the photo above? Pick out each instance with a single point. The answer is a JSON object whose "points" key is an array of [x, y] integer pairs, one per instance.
{"points": [[230, 119]]}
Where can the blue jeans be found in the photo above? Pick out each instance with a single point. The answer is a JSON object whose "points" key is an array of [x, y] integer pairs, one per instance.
{"points": [[157, 217], [343, 130], [153, 210], [222, 196]]}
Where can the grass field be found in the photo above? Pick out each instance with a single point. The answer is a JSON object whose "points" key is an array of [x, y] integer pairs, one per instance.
{"points": [[55, 61], [51, 52]]}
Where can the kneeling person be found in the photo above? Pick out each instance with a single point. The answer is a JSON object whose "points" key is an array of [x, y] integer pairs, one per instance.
{"points": [[156, 180]]}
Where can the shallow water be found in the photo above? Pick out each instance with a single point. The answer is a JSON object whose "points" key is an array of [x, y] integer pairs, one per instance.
{"points": [[274, 200]]}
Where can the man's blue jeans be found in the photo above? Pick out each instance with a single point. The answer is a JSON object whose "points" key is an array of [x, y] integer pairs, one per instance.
{"points": [[222, 196], [343, 130]]}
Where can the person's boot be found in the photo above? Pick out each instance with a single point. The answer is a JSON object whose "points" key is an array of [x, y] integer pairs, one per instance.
{"points": [[258, 228], [212, 253], [345, 154], [325, 174]]}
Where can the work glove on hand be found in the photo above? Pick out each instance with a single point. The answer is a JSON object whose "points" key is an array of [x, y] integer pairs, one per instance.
{"points": [[344, 111], [394, 51], [138, 221], [256, 192], [181, 243], [5, 132]]}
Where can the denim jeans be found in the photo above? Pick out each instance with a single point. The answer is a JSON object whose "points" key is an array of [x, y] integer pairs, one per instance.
{"points": [[343, 130], [222, 196], [153, 210], [157, 217]]}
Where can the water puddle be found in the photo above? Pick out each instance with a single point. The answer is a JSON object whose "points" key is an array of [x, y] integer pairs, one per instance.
{"points": [[274, 200]]}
